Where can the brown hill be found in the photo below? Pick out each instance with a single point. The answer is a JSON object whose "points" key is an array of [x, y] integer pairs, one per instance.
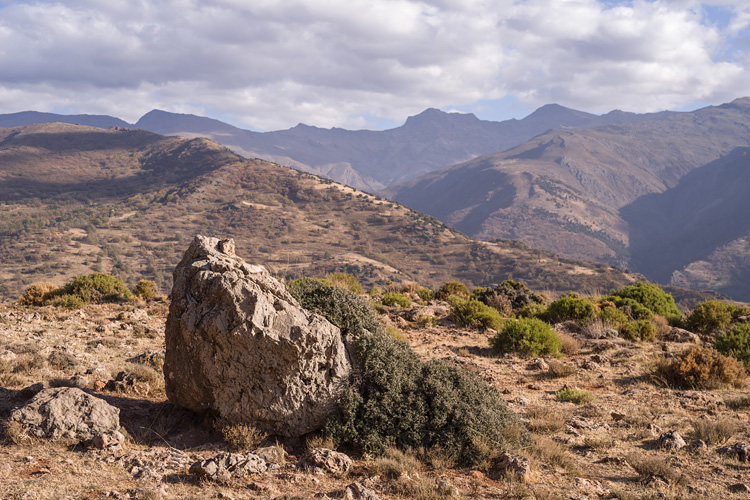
{"points": [[563, 190], [80, 199]]}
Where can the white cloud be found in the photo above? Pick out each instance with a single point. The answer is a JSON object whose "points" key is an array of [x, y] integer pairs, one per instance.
{"points": [[270, 64]]}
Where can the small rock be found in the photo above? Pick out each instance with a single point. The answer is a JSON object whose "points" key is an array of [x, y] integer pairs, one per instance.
{"points": [[129, 383], [680, 335], [590, 365], [534, 387], [740, 451], [739, 488], [271, 454], [357, 491], [617, 416], [539, 364], [108, 440], [328, 460], [229, 465], [516, 465], [655, 482], [671, 440], [697, 446], [447, 489], [654, 430]]}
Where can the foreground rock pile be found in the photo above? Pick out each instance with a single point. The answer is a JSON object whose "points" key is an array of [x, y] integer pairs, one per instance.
{"points": [[239, 346]]}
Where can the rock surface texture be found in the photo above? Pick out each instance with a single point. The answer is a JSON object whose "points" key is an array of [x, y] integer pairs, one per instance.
{"points": [[240, 346], [67, 412]]}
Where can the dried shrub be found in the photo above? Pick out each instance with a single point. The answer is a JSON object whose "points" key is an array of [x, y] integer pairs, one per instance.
{"points": [[575, 396], [242, 437], [714, 431], [145, 290], [662, 325], [394, 462], [648, 466], [510, 296], [61, 360], [28, 363], [560, 370], [552, 453], [546, 419], [570, 345], [319, 441], [701, 368], [597, 328], [736, 343], [599, 443], [739, 403], [38, 294], [474, 314], [527, 335], [404, 402], [709, 317], [145, 373]]}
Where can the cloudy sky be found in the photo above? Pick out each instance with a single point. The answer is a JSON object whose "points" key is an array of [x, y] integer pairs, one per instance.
{"points": [[270, 64]]}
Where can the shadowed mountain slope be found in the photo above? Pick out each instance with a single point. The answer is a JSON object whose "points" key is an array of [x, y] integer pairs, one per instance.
{"points": [[80, 199]]}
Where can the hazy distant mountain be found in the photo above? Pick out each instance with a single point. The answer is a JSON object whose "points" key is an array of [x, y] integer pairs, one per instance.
{"points": [[564, 190], [33, 117], [82, 199]]}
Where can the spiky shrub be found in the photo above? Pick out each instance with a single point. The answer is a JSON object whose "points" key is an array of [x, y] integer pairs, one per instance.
{"points": [[404, 402], [451, 288], [345, 280], [97, 287], [639, 330], [736, 343], [474, 314], [701, 368], [145, 290], [570, 309], [652, 297], [350, 312], [709, 317], [38, 294], [395, 299], [528, 336]]}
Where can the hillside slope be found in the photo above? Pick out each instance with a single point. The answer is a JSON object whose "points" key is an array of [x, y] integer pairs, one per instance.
{"points": [[563, 190], [81, 199]]}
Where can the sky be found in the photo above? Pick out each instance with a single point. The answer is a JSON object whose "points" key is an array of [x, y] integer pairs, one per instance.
{"points": [[271, 64]]}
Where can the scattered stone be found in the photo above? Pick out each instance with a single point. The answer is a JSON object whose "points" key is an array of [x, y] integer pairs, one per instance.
{"points": [[534, 387], [599, 358], [671, 440], [228, 465], [655, 482], [134, 315], [516, 465], [271, 454], [615, 460], [108, 440], [654, 430], [590, 365], [328, 460], [680, 335], [698, 446], [618, 416], [740, 451], [67, 412], [153, 358], [587, 424], [539, 364], [239, 345], [357, 491], [7, 356], [739, 488], [591, 486]]}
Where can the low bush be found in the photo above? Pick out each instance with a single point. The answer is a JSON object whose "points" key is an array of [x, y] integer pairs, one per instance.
{"points": [[145, 290], [395, 299], [346, 281], [38, 294], [570, 309], [425, 294], [97, 288], [242, 437], [634, 310], [474, 314], [709, 317], [612, 316], [527, 335], [350, 312], [404, 402], [736, 343], [450, 288], [701, 368], [68, 301], [575, 396], [511, 294], [652, 297], [714, 431], [639, 330]]}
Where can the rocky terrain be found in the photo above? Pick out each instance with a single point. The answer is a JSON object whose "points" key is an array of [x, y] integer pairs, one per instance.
{"points": [[636, 439]]}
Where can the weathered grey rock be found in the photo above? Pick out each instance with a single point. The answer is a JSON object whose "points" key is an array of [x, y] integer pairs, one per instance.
{"points": [[680, 335], [328, 460], [67, 412], [226, 465], [108, 440], [239, 345], [357, 491], [271, 454], [671, 440], [516, 465]]}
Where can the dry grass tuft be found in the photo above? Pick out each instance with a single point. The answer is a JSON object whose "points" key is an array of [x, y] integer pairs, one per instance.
{"points": [[701, 368], [394, 463], [546, 419], [242, 437], [652, 466], [714, 431], [570, 345], [318, 441], [739, 403], [550, 452]]}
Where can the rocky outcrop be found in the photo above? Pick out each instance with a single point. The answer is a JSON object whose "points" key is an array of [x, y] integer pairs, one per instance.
{"points": [[228, 465], [240, 346], [67, 412], [328, 460]]}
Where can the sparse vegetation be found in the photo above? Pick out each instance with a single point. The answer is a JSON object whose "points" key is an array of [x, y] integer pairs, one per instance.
{"points": [[37, 294], [714, 431], [701, 368], [347, 281], [570, 309], [528, 336], [575, 396], [736, 343], [639, 330], [242, 437], [395, 299], [474, 314]]}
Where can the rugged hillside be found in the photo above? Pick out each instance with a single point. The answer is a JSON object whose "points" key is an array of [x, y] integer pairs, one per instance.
{"points": [[81, 199], [364, 159], [563, 190]]}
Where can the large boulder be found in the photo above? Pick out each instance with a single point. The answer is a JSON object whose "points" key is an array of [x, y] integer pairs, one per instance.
{"points": [[240, 346], [67, 412]]}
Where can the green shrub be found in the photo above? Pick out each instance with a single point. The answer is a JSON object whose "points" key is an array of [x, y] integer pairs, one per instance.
{"points": [[701, 368], [709, 317], [509, 297], [68, 301], [145, 290], [38, 294], [532, 311], [406, 403], [396, 299], [736, 343], [576, 396], [633, 309], [450, 288], [612, 316], [341, 307], [426, 294], [530, 336], [570, 309], [345, 280], [652, 297], [97, 288], [474, 314], [639, 330]]}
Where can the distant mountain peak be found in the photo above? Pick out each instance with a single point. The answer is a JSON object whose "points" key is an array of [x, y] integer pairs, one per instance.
{"points": [[434, 115]]}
